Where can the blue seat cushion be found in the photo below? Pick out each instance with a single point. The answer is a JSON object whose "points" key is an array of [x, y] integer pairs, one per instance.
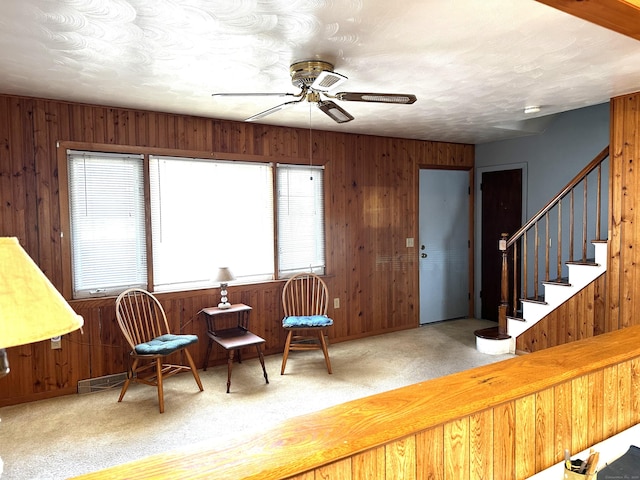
{"points": [[165, 344], [307, 321]]}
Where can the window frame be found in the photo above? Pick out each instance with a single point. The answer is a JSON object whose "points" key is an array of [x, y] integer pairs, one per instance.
{"points": [[65, 220]]}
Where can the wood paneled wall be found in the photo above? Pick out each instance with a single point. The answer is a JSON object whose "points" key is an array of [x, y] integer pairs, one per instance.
{"points": [[371, 208], [507, 420], [623, 278]]}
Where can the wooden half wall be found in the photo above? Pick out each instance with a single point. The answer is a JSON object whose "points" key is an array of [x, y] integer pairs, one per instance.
{"points": [[507, 420], [371, 208]]}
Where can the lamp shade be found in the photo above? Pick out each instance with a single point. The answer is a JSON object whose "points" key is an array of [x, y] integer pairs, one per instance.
{"points": [[224, 275], [31, 309]]}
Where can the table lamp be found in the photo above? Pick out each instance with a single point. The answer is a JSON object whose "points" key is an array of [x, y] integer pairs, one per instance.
{"points": [[31, 309], [223, 277]]}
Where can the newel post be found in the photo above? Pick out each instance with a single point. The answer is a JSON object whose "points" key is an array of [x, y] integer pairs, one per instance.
{"points": [[504, 287]]}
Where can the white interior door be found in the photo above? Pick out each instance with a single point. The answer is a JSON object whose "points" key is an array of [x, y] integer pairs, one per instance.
{"points": [[444, 244]]}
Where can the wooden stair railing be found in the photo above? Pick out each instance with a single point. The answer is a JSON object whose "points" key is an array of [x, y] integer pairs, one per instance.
{"points": [[510, 297]]}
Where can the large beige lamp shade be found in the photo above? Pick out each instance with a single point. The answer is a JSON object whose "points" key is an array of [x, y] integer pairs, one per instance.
{"points": [[31, 309]]}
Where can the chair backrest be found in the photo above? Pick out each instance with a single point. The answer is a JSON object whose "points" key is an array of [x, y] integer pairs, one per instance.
{"points": [[140, 316], [305, 294]]}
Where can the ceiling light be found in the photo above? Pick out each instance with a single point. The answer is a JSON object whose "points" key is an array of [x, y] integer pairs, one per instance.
{"points": [[327, 81], [334, 111], [531, 109]]}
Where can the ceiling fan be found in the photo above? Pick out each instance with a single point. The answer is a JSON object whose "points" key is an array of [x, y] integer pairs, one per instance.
{"points": [[316, 78]]}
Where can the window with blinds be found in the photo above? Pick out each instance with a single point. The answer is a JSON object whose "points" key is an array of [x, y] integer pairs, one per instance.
{"points": [[106, 208], [203, 214], [207, 214], [300, 203]]}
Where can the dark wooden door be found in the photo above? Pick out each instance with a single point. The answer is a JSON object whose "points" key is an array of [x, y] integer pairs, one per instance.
{"points": [[501, 213]]}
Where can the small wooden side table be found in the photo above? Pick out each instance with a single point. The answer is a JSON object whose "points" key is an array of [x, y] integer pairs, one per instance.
{"points": [[232, 338]]}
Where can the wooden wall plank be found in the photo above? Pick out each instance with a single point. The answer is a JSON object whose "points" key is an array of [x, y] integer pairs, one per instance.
{"points": [[544, 427], [369, 464], [340, 470], [504, 446], [481, 431], [525, 444], [457, 463], [6, 184], [610, 403], [634, 403], [563, 414], [623, 410], [400, 459], [430, 454], [579, 415], [595, 431]]}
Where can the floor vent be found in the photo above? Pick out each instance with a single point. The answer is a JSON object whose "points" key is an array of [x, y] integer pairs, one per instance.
{"points": [[101, 383]]}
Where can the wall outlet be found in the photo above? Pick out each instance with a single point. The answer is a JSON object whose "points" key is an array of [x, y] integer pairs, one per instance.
{"points": [[56, 343], [409, 242], [336, 303]]}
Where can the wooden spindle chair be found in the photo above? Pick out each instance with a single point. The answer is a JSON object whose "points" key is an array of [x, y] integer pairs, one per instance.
{"points": [[144, 325], [305, 299]]}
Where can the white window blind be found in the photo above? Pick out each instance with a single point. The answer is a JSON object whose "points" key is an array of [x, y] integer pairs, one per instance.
{"points": [[300, 219], [207, 214], [106, 206]]}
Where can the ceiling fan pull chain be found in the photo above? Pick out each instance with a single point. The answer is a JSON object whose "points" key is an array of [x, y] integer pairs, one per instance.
{"points": [[310, 146]]}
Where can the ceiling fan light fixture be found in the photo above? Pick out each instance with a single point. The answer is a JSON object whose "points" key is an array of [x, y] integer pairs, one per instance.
{"points": [[328, 80], [338, 114]]}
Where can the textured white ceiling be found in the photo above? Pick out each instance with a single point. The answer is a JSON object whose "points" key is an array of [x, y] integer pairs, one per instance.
{"points": [[473, 64]]}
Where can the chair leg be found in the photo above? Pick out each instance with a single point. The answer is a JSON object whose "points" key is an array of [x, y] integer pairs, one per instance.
{"points": [[128, 380], [285, 354], [159, 381], [193, 369], [323, 343]]}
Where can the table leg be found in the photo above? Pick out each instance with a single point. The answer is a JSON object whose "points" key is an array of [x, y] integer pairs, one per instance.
{"points": [[206, 357], [261, 357], [229, 367]]}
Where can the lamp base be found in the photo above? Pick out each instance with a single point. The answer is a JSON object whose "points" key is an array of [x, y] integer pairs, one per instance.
{"points": [[224, 305], [4, 364]]}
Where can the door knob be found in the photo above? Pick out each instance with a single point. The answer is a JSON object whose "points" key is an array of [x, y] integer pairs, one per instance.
{"points": [[423, 255]]}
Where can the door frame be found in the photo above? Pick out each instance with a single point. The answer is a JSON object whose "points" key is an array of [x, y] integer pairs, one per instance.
{"points": [[472, 242], [478, 220]]}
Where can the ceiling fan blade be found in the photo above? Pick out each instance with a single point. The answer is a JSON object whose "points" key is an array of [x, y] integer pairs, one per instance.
{"points": [[400, 98], [275, 109], [255, 95], [338, 114]]}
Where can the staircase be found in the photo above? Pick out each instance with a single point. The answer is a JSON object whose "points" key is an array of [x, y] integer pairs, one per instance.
{"points": [[556, 292], [529, 251]]}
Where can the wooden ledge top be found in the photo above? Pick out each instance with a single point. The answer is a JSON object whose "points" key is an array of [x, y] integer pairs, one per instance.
{"points": [[303, 443]]}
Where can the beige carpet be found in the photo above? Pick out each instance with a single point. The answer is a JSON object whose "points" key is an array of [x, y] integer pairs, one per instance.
{"points": [[67, 436]]}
